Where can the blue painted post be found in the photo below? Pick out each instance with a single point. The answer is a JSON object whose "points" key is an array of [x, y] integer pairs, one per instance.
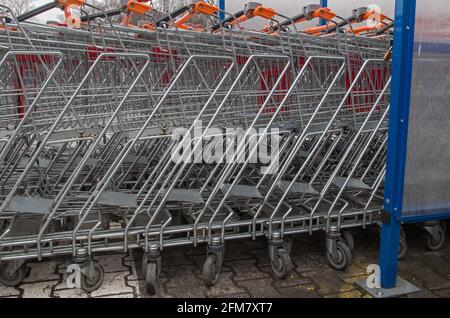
{"points": [[397, 139], [323, 4], [222, 7]]}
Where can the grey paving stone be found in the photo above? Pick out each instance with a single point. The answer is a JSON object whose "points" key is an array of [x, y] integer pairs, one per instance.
{"points": [[112, 263], [133, 273], [9, 291], [353, 279], [236, 251], [38, 290], [443, 292], [246, 269], [42, 271], [176, 258], [141, 292], [113, 283], [225, 287], [261, 288], [199, 260], [69, 293], [261, 255], [292, 280], [243, 295], [134, 284], [351, 271], [308, 263], [127, 295], [327, 281], [181, 282], [246, 272], [413, 269], [346, 294], [362, 259], [438, 262], [302, 291], [422, 294]]}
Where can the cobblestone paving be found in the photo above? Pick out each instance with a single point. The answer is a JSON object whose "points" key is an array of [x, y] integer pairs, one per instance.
{"points": [[246, 272]]}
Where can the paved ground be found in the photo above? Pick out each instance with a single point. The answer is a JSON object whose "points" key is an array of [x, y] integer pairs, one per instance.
{"points": [[247, 273]]}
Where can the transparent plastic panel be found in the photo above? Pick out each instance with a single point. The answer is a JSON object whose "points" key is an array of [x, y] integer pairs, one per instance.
{"points": [[427, 175]]}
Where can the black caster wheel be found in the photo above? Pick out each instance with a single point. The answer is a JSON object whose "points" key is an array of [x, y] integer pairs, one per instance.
{"points": [[282, 265], [144, 265], [288, 245], [151, 278], [93, 278], [444, 226], [348, 239], [211, 270], [146, 260], [341, 258], [402, 233], [402, 249], [11, 277], [435, 243]]}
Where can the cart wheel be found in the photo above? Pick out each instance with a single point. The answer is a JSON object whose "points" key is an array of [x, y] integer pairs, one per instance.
{"points": [[151, 278], [402, 249], [288, 245], [211, 270], [90, 283], [282, 265], [435, 244], [11, 278], [341, 258], [402, 233], [444, 226], [144, 265], [348, 239]]}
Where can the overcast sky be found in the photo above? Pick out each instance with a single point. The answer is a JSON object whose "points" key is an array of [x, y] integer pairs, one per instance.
{"points": [[50, 15]]}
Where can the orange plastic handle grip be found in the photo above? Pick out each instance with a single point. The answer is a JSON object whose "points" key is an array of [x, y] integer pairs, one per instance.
{"points": [[316, 29], [324, 13], [241, 19], [362, 29], [184, 19], [263, 12], [365, 28], [66, 3], [206, 8], [148, 26], [138, 7]]}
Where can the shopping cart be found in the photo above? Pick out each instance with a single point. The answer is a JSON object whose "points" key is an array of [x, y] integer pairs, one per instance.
{"points": [[118, 136]]}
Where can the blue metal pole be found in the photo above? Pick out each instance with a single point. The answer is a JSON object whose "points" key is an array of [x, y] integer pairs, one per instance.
{"points": [[323, 4], [221, 7], [397, 139]]}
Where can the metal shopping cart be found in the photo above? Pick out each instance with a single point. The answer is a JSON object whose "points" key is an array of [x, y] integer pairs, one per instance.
{"points": [[118, 136]]}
